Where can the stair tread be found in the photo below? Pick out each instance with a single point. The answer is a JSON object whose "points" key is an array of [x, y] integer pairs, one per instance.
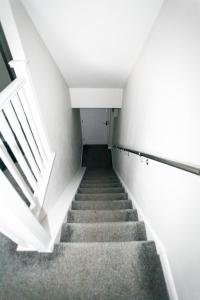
{"points": [[100, 190], [103, 232], [94, 216], [104, 196], [100, 179], [94, 177], [93, 184], [93, 205], [109, 271]]}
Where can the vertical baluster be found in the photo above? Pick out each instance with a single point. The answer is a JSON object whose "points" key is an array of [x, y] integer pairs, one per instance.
{"points": [[15, 126], [24, 123], [18, 222], [10, 139], [22, 95], [15, 173]]}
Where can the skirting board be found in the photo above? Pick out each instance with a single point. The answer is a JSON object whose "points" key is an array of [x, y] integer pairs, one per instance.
{"points": [[57, 215], [151, 235]]}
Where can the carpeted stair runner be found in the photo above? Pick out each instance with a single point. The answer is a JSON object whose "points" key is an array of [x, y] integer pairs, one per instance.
{"points": [[103, 253], [123, 264]]}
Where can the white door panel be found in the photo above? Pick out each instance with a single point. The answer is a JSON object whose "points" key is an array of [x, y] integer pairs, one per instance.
{"points": [[95, 126]]}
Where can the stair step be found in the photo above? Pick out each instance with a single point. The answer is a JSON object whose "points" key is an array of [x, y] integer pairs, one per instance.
{"points": [[100, 181], [99, 190], [94, 178], [94, 205], [100, 177], [102, 197], [99, 170], [98, 174], [100, 184], [108, 271], [95, 216], [103, 232]]}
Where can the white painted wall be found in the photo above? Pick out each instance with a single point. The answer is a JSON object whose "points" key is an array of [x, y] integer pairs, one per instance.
{"points": [[160, 115], [61, 122], [96, 98], [94, 128]]}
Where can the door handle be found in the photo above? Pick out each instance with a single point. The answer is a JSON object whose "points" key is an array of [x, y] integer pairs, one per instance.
{"points": [[106, 123]]}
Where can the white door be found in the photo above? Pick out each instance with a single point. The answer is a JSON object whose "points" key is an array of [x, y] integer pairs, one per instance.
{"points": [[95, 126]]}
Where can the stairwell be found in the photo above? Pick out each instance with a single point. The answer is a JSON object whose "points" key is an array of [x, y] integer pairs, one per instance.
{"points": [[103, 251]]}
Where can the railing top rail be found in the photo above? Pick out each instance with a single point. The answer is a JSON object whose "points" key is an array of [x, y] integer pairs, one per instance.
{"points": [[175, 164], [10, 91]]}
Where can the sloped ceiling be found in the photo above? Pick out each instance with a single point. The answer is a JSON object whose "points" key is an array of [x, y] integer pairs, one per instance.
{"points": [[94, 42]]}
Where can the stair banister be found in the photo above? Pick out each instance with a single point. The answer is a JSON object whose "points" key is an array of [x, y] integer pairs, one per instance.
{"points": [[18, 222], [27, 161]]}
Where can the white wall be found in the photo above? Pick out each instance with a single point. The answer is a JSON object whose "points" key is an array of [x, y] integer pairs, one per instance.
{"points": [[96, 98], [160, 115], [61, 122]]}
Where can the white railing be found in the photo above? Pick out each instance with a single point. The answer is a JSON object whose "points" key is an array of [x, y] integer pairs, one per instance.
{"points": [[18, 223], [27, 163]]}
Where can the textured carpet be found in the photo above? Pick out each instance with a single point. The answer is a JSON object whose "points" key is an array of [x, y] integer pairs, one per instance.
{"points": [[103, 253]]}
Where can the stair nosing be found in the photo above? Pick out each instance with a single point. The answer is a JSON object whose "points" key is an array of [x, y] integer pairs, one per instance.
{"points": [[121, 223], [96, 210], [114, 244], [99, 193]]}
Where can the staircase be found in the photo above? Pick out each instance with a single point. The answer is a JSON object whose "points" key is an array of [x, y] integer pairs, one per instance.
{"points": [[103, 253], [117, 262]]}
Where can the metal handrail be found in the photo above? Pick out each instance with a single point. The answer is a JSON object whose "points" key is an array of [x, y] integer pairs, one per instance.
{"points": [[175, 164]]}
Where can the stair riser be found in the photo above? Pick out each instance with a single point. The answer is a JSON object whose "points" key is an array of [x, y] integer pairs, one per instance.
{"points": [[100, 176], [99, 181], [101, 197], [101, 216], [94, 205], [99, 184], [118, 232], [100, 190]]}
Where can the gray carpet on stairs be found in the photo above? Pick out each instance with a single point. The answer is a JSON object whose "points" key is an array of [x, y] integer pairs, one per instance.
{"points": [[86, 271], [102, 197], [93, 216], [103, 253], [103, 232], [102, 205]]}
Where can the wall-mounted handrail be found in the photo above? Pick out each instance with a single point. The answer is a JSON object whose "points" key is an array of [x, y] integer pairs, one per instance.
{"points": [[175, 164]]}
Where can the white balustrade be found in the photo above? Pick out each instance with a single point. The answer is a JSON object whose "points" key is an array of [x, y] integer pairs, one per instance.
{"points": [[23, 154]]}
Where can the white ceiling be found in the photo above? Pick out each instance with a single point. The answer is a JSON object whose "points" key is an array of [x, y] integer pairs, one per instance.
{"points": [[94, 42]]}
